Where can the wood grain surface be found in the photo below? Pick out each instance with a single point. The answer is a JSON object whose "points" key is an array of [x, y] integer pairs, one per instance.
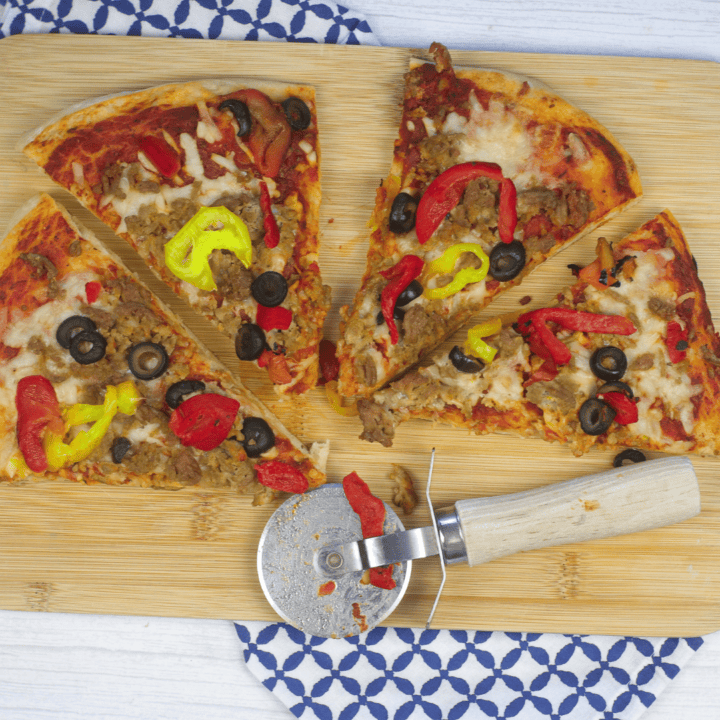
{"points": [[71, 548]]}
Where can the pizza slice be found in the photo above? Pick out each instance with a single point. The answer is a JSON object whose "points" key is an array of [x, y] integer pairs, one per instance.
{"points": [[216, 184], [627, 357], [101, 383], [491, 175]]}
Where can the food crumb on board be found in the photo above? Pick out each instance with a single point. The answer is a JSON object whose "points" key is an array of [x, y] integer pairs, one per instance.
{"points": [[525, 299], [403, 491]]}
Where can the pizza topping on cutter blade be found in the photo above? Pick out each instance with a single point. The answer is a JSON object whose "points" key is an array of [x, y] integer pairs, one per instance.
{"points": [[155, 409], [491, 175], [614, 364]]}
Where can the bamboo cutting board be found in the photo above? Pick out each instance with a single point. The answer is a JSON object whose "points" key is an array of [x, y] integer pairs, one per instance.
{"points": [[71, 548]]}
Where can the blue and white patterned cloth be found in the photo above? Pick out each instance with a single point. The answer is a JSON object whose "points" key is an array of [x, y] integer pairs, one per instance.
{"points": [[294, 20], [387, 674], [406, 674]]}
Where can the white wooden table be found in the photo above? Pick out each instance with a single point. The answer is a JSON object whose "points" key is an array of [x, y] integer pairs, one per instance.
{"points": [[78, 667]]}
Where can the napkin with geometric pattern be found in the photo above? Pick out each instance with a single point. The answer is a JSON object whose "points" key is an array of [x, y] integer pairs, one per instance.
{"points": [[387, 673], [407, 674]]}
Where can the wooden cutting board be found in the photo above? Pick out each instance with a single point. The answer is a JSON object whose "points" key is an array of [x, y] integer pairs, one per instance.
{"points": [[71, 548]]}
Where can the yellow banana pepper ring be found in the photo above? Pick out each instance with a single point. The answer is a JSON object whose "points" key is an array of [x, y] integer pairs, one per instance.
{"points": [[336, 401], [475, 344], [446, 263], [186, 255], [124, 398]]}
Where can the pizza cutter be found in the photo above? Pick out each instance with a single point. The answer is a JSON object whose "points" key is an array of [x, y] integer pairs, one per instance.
{"points": [[312, 560]]}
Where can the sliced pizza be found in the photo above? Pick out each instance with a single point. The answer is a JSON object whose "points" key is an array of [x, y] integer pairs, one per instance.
{"points": [[216, 184], [627, 357], [491, 175], [101, 383]]}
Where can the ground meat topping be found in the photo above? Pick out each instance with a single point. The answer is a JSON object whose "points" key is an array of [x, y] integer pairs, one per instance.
{"points": [[557, 395], [661, 308], [377, 422], [232, 278], [418, 324]]}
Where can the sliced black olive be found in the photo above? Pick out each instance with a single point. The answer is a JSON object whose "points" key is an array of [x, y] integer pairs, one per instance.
{"points": [[240, 110], [398, 315], [595, 416], [88, 347], [259, 437], [402, 213], [631, 455], [71, 326], [119, 448], [297, 113], [617, 386], [465, 363], [412, 291], [250, 342], [177, 391], [609, 363], [147, 360], [269, 289], [507, 260]]}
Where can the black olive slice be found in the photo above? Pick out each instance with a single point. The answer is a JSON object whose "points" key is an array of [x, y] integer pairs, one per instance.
{"points": [[402, 213], [147, 360], [119, 448], [297, 113], [240, 110], [595, 416], [609, 363], [465, 363], [631, 455], [70, 327], [617, 386], [177, 391], [269, 289], [259, 437], [507, 260], [88, 347], [412, 291], [398, 316], [250, 342]]}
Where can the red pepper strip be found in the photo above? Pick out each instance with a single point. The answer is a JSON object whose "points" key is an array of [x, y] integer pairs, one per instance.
{"points": [[400, 275], [546, 372], [278, 475], [532, 326], [329, 365], [274, 318], [370, 509], [625, 408], [270, 135], [161, 155], [38, 409], [272, 232], [676, 341], [444, 193], [92, 291], [507, 210], [277, 366], [204, 421], [382, 577]]}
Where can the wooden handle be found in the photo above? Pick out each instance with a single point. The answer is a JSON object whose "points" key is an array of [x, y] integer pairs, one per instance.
{"points": [[623, 500]]}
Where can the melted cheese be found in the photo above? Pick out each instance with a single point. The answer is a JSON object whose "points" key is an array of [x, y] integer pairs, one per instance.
{"points": [[496, 135]]}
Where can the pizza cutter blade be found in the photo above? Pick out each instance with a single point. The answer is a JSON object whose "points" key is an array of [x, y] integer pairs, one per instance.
{"points": [[291, 578], [312, 557]]}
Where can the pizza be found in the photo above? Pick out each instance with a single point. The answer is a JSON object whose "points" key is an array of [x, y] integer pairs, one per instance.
{"points": [[491, 175], [100, 382], [216, 184], [626, 357]]}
